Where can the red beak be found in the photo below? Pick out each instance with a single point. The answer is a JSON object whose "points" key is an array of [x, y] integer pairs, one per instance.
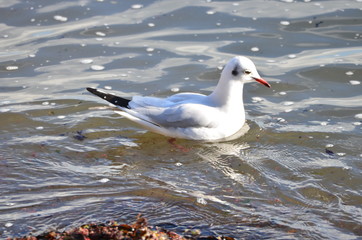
{"points": [[262, 81]]}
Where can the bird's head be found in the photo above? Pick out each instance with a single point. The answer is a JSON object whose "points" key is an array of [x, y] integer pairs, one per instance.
{"points": [[242, 69]]}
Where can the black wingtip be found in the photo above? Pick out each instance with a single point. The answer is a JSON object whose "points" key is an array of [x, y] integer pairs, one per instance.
{"points": [[91, 90], [118, 101]]}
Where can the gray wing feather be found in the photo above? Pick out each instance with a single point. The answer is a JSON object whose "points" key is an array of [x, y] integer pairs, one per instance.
{"points": [[185, 115]]}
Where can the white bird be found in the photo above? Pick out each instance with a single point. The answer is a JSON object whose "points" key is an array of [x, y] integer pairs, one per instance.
{"points": [[193, 115]]}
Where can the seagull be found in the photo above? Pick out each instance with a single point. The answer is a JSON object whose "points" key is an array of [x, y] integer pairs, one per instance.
{"points": [[194, 116]]}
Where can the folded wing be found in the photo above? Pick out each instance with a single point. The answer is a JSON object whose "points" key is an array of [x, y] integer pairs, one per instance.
{"points": [[178, 111], [184, 115]]}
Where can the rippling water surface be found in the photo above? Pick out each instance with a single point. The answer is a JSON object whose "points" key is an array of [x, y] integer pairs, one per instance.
{"points": [[66, 160]]}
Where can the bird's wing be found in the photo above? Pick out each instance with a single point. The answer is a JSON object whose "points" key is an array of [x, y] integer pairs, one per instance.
{"points": [[182, 115], [180, 110], [140, 101], [144, 102], [187, 96]]}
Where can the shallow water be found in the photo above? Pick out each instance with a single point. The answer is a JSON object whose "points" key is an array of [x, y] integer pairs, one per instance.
{"points": [[65, 160]]}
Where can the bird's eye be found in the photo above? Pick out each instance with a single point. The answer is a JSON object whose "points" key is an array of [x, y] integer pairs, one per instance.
{"points": [[247, 71], [235, 71]]}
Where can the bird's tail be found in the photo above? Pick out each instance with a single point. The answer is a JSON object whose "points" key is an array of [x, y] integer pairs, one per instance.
{"points": [[119, 101]]}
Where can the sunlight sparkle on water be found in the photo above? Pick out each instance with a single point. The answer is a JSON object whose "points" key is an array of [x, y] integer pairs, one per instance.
{"points": [[285, 23], [86, 61], [287, 103], [103, 180], [97, 67], [60, 18], [354, 82], [12, 68], [358, 116], [137, 6]]}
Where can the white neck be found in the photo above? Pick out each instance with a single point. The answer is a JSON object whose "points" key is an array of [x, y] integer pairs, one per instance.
{"points": [[228, 94]]}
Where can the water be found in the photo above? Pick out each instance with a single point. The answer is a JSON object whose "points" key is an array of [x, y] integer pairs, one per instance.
{"points": [[67, 160]]}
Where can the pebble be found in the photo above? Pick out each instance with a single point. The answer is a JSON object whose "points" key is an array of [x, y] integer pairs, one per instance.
{"points": [[178, 164]]}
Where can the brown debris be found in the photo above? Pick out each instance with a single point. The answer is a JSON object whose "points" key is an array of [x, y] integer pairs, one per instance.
{"points": [[114, 231]]}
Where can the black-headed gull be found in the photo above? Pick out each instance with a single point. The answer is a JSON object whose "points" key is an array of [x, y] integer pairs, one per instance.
{"points": [[193, 115]]}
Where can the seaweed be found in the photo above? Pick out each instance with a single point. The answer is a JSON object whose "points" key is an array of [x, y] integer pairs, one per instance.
{"points": [[115, 231]]}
